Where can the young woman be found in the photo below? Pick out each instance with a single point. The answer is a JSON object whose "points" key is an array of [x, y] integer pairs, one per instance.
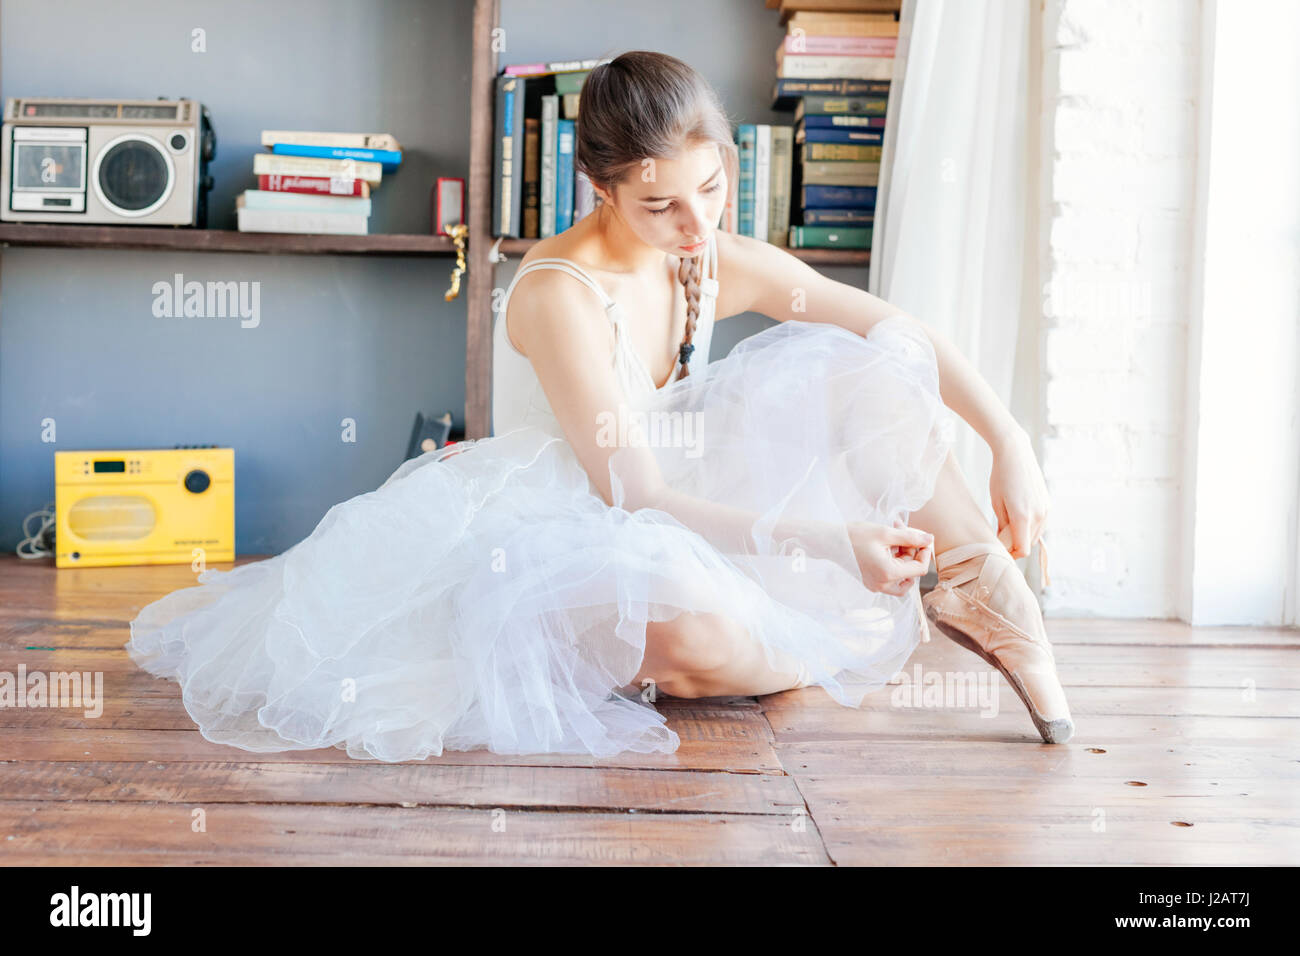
{"points": [[643, 520]]}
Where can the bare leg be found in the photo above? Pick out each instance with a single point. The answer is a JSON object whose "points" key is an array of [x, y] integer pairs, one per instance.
{"points": [[954, 518], [708, 655], [952, 515]]}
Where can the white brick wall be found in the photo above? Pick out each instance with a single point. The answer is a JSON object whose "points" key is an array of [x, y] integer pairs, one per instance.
{"points": [[1119, 119]]}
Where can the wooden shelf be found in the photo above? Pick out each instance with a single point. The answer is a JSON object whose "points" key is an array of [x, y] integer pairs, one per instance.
{"points": [[219, 240], [815, 257]]}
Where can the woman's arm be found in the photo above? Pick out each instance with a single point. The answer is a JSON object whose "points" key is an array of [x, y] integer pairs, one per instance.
{"points": [[563, 329], [761, 277], [764, 278]]}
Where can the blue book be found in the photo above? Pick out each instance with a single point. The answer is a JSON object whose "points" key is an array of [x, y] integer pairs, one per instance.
{"points": [[747, 146], [563, 174], [387, 158], [839, 197], [844, 134], [843, 122]]}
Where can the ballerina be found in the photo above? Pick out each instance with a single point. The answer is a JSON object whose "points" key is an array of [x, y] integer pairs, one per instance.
{"points": [[643, 519]]}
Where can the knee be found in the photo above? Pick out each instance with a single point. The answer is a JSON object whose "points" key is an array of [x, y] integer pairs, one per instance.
{"points": [[681, 653]]}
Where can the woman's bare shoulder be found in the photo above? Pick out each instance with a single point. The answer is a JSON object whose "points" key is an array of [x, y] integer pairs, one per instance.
{"points": [[552, 247], [550, 302]]}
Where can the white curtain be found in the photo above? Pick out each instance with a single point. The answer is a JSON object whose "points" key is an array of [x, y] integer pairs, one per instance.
{"points": [[956, 184]]}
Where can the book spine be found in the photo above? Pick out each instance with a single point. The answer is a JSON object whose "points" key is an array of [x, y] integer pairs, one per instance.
{"points": [[564, 175], [387, 158], [821, 104], [778, 226], [314, 138], [842, 25], [532, 170], [841, 217], [516, 193], [762, 180], [839, 197], [841, 173], [550, 104], [570, 83], [747, 141], [843, 122], [320, 185], [279, 220], [556, 66], [794, 86], [270, 163], [830, 237], [811, 152], [840, 8], [840, 134], [806, 66], [303, 202], [823, 45], [502, 226]]}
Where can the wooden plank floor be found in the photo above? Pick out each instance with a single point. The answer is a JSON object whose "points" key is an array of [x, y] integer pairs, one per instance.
{"points": [[1187, 752]]}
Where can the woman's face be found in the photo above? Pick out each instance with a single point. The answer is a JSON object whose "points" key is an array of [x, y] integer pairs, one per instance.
{"points": [[674, 204]]}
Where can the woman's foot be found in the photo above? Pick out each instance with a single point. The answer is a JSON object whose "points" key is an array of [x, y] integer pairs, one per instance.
{"points": [[984, 604]]}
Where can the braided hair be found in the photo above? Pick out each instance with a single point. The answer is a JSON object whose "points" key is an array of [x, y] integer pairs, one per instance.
{"points": [[688, 273], [646, 104]]}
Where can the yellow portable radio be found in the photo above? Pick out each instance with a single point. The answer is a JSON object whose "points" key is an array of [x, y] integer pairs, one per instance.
{"points": [[150, 506]]}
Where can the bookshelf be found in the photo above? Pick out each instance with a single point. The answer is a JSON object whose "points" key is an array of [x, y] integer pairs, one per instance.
{"points": [[476, 285], [478, 333], [219, 240], [825, 257]]}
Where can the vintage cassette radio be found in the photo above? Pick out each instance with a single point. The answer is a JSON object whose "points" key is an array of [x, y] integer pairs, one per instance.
{"points": [[106, 161], [148, 506]]}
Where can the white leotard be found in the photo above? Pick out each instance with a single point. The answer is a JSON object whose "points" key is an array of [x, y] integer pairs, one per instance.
{"points": [[517, 395]]}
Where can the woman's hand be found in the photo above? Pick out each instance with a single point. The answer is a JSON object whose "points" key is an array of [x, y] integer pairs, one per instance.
{"points": [[1018, 492], [890, 559]]}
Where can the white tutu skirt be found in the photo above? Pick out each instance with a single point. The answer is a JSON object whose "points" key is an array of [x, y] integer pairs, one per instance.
{"points": [[485, 596]]}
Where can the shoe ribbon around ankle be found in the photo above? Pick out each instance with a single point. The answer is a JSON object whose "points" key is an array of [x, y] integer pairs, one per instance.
{"points": [[1025, 659], [985, 575]]}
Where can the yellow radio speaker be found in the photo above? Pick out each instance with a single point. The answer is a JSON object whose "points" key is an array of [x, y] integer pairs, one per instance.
{"points": [[153, 506]]}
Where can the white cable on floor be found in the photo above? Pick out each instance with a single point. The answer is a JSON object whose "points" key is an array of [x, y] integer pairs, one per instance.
{"points": [[35, 542]]}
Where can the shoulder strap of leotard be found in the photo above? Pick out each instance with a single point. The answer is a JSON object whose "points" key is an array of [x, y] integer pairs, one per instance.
{"points": [[573, 269]]}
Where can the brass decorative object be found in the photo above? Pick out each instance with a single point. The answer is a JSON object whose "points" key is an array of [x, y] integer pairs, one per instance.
{"points": [[458, 233]]}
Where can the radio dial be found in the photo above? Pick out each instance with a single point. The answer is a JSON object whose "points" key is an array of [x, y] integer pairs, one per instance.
{"points": [[197, 481]]}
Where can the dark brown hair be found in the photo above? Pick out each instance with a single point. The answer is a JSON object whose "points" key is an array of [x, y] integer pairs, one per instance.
{"points": [[642, 105]]}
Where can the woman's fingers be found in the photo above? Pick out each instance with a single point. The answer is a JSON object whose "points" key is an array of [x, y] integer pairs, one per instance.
{"points": [[909, 536], [909, 569]]}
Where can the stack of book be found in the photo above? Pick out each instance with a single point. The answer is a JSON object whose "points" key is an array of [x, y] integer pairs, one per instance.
{"points": [[536, 192], [313, 182], [765, 186], [834, 70]]}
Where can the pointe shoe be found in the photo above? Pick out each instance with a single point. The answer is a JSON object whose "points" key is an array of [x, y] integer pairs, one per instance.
{"points": [[1021, 653]]}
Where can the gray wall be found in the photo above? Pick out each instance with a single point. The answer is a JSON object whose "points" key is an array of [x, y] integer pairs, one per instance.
{"points": [[367, 338]]}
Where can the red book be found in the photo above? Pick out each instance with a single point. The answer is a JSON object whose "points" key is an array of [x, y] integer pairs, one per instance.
{"points": [[323, 185]]}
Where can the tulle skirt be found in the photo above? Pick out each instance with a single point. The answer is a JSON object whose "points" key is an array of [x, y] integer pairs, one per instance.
{"points": [[486, 596]]}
